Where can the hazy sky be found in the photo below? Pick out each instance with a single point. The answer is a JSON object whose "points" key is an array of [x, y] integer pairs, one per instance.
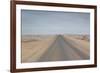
{"points": [[52, 22]]}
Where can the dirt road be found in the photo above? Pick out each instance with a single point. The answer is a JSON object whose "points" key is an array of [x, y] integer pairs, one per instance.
{"points": [[63, 49]]}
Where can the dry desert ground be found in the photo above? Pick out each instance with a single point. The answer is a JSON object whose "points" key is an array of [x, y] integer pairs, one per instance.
{"points": [[41, 48]]}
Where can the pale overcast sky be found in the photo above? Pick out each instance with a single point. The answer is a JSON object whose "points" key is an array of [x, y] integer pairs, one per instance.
{"points": [[52, 22]]}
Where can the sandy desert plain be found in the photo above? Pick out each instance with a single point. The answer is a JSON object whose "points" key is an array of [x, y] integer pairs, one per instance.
{"points": [[45, 48]]}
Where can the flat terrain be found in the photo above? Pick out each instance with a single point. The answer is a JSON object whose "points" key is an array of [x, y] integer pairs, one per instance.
{"points": [[55, 48]]}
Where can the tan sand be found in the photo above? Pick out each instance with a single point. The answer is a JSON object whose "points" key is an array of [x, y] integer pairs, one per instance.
{"points": [[81, 44], [32, 50]]}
